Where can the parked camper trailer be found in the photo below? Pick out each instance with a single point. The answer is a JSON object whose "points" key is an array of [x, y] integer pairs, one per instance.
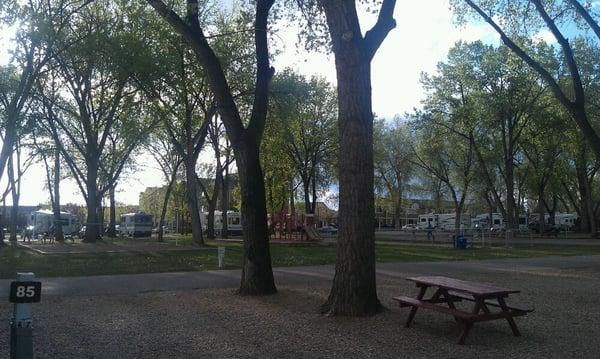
{"points": [[234, 222], [523, 223], [42, 222], [427, 221], [562, 221], [482, 221], [565, 221], [447, 222], [136, 224]]}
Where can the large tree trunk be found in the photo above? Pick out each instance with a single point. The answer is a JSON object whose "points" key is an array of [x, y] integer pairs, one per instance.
{"points": [[541, 222], [510, 196], [306, 189], [93, 201], [163, 211], [59, 236], [212, 202], [192, 200], [112, 221], [10, 134], [585, 195], [14, 211], [257, 272], [225, 202], [354, 290]]}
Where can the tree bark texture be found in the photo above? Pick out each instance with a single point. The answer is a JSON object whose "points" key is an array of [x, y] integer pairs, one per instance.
{"points": [[257, 272], [163, 212], [59, 236], [14, 190], [192, 199], [112, 213], [354, 290]]}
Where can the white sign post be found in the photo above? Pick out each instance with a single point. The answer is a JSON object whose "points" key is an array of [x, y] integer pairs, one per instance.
{"points": [[221, 256]]}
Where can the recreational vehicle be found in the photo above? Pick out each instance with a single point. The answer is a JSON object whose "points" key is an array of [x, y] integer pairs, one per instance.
{"points": [[562, 221], [42, 222], [565, 221], [136, 225], [234, 222], [482, 221], [427, 221], [446, 222]]}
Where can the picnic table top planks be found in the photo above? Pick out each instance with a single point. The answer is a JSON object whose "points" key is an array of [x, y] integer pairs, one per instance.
{"points": [[474, 288]]}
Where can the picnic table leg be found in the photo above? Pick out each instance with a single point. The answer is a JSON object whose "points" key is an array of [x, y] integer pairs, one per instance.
{"points": [[448, 299], [463, 336], [509, 318], [469, 324], [413, 310]]}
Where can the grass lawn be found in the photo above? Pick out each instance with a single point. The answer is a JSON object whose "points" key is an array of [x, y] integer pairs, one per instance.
{"points": [[13, 259]]}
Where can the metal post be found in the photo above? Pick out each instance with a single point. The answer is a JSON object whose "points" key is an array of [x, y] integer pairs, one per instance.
{"points": [[21, 342], [221, 256]]}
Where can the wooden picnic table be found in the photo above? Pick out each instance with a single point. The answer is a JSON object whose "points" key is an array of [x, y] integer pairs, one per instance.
{"points": [[449, 291]]}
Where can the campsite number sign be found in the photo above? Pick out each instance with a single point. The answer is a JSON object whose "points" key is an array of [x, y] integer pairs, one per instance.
{"points": [[25, 292]]}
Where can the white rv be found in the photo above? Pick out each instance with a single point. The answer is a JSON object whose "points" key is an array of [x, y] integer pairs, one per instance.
{"points": [[523, 223], [427, 220], [482, 221], [446, 222], [234, 222], [136, 225], [565, 221], [42, 222]]}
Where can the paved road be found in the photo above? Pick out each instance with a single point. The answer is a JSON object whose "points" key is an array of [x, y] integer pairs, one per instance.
{"points": [[445, 237], [139, 283]]}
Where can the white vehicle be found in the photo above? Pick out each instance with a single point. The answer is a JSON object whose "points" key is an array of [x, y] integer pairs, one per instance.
{"points": [[446, 222], [482, 221], [427, 221], [565, 221], [42, 222], [136, 224], [234, 222], [523, 223]]}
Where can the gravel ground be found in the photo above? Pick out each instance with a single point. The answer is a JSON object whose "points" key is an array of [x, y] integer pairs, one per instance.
{"points": [[215, 323]]}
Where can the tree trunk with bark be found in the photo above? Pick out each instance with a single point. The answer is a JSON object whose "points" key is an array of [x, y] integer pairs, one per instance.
{"points": [[257, 272], [354, 290], [163, 212], [112, 216], [14, 190], [59, 236], [192, 199], [93, 229], [225, 203]]}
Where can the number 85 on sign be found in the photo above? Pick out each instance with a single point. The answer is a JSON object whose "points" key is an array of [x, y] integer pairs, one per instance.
{"points": [[25, 292]]}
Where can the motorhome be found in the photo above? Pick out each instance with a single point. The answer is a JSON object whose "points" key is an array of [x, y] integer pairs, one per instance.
{"points": [[482, 221], [427, 221], [523, 223], [447, 222], [41, 222], [234, 222], [136, 224], [565, 221], [562, 221]]}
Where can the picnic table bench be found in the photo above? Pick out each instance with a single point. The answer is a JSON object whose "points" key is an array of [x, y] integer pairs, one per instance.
{"points": [[449, 291]]}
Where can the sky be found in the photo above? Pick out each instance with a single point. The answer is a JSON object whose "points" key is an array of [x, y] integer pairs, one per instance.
{"points": [[424, 34]]}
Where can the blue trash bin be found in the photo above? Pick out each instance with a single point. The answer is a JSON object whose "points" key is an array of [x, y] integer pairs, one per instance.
{"points": [[461, 242]]}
